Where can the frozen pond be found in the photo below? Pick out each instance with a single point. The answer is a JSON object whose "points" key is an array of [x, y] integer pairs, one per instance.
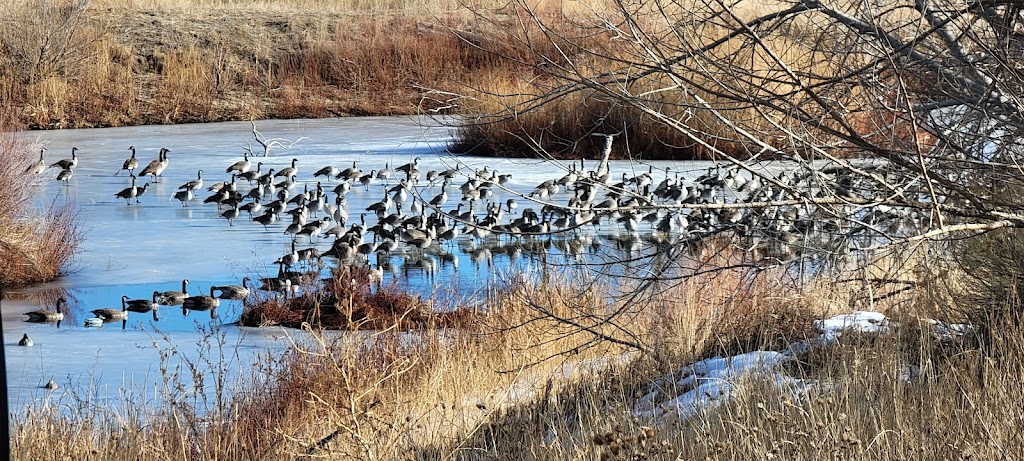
{"points": [[135, 249]]}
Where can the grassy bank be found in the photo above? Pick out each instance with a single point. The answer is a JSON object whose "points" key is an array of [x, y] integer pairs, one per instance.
{"points": [[78, 63], [91, 63], [516, 383]]}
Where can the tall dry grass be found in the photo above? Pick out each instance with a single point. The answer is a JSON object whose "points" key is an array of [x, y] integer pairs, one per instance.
{"points": [[591, 74], [173, 61], [515, 383], [36, 244]]}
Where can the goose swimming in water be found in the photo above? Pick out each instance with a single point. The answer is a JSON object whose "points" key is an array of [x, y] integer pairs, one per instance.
{"points": [[173, 298], [109, 314], [233, 291], [49, 315], [200, 303], [26, 341], [142, 305]]}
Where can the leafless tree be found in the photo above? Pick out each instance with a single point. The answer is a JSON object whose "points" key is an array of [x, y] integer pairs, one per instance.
{"points": [[838, 129]]}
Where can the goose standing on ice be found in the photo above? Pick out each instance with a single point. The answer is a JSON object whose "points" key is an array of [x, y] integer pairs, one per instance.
{"points": [[38, 166], [157, 167], [195, 183], [289, 171], [65, 175], [68, 163], [184, 196], [130, 164], [128, 193], [241, 166], [330, 171]]}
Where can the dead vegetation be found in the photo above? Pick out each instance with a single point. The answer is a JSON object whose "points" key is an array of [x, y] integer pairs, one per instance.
{"points": [[36, 242], [514, 380], [351, 300]]}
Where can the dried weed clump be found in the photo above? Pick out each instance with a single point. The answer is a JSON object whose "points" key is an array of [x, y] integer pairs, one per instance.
{"points": [[36, 244], [351, 299]]}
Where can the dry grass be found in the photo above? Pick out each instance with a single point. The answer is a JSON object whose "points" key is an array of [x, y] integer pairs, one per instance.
{"points": [[36, 245], [513, 383], [351, 300], [702, 105], [173, 61]]}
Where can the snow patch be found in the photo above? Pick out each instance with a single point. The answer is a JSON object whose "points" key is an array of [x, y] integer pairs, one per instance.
{"points": [[707, 382], [858, 321]]}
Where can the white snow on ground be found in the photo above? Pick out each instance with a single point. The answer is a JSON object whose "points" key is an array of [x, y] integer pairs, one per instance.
{"points": [[859, 321], [706, 382], [712, 381], [944, 330]]}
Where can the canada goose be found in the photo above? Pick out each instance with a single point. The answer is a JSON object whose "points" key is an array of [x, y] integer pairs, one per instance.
{"points": [[65, 175], [108, 314], [329, 171], [280, 283], [128, 193], [408, 168], [140, 192], [231, 214], [252, 175], [343, 188], [240, 166], [48, 315], [432, 177], [366, 180], [266, 219], [234, 291], [26, 341], [68, 163], [50, 385], [200, 303], [290, 171], [376, 276], [130, 164], [252, 207], [173, 298], [142, 305], [195, 183], [384, 174], [184, 196], [38, 166], [157, 167], [440, 199], [348, 173], [289, 259]]}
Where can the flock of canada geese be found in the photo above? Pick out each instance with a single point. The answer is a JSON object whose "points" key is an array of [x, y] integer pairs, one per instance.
{"points": [[421, 213]]}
